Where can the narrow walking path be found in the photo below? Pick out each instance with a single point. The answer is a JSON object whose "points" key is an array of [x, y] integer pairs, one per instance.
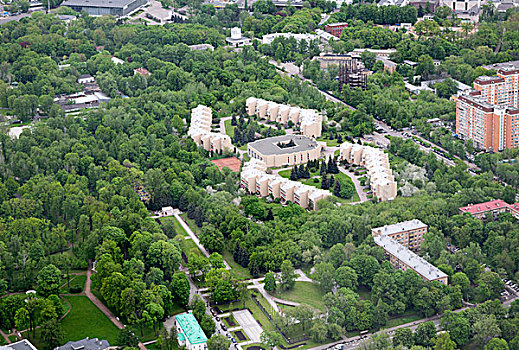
{"points": [[5, 337], [358, 187], [101, 306], [222, 124]]}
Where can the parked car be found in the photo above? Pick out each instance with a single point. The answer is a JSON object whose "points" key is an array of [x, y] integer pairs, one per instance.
{"points": [[224, 327], [233, 340], [217, 318]]}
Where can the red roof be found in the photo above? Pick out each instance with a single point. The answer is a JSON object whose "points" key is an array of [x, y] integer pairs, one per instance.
{"points": [[142, 71], [487, 206]]}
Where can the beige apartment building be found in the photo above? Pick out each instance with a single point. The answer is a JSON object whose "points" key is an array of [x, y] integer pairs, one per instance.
{"points": [[376, 162], [285, 150], [309, 121], [399, 240], [255, 180], [200, 131]]}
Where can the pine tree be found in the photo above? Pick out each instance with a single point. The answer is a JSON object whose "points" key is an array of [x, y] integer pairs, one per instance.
{"points": [[331, 135], [339, 139], [293, 174], [234, 122], [331, 182], [191, 211], [307, 172], [251, 134], [337, 189], [270, 215], [323, 168], [324, 182], [330, 166], [182, 203], [199, 216], [254, 269], [244, 257], [236, 253], [237, 137]]}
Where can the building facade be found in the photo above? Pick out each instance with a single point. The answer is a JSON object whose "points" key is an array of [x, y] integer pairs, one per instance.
{"points": [[399, 241], [189, 332], [489, 114], [285, 150], [308, 121], [255, 180], [376, 162], [491, 209], [200, 131], [335, 29]]}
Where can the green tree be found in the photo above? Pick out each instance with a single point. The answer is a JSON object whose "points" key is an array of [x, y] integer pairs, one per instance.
{"points": [[324, 274], [52, 334], [270, 339], [443, 342], [425, 334], [49, 279], [127, 338], [270, 282], [180, 288], [288, 276], [345, 276], [497, 344], [218, 342], [404, 337]]}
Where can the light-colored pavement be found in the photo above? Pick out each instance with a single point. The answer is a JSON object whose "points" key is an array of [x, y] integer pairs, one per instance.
{"points": [[222, 124], [249, 324], [302, 277], [358, 187]]}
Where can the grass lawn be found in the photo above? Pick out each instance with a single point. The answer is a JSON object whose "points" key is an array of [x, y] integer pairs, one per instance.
{"points": [[238, 271], [229, 129], [303, 293], [402, 320], [188, 247], [75, 281], [243, 147], [191, 224], [329, 143], [86, 320], [13, 338], [364, 293], [179, 229]]}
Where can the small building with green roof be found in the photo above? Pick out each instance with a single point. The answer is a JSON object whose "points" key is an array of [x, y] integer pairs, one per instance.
{"points": [[189, 332]]}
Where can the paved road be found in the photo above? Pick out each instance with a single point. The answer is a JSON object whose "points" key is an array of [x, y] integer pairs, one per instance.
{"points": [[8, 19]]}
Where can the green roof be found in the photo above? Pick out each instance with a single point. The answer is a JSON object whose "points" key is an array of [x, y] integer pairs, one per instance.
{"points": [[190, 327]]}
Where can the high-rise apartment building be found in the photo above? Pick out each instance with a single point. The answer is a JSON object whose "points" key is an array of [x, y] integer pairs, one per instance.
{"points": [[489, 114]]}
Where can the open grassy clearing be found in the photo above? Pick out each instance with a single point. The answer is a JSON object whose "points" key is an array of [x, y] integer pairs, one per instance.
{"points": [[303, 293], [75, 281], [238, 271]]}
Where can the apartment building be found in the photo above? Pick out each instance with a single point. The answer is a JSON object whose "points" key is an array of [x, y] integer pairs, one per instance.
{"points": [[376, 162], [189, 332], [285, 150], [399, 241], [494, 208], [408, 233], [489, 114], [269, 38], [308, 121], [200, 131], [335, 29], [256, 181]]}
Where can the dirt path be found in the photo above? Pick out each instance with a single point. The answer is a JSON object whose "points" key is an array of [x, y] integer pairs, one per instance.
{"points": [[101, 306], [5, 337]]}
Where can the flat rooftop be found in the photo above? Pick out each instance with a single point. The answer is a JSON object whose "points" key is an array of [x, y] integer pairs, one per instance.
{"points": [[23, 344], [418, 264], [269, 145], [98, 3], [400, 227], [504, 65]]}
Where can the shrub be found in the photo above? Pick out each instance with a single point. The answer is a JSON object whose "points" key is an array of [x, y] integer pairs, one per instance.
{"points": [[75, 290]]}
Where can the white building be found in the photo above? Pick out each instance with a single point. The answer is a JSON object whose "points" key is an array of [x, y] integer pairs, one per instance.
{"points": [[254, 179], [189, 332], [236, 39], [85, 79], [309, 121], [200, 131], [376, 162], [269, 38]]}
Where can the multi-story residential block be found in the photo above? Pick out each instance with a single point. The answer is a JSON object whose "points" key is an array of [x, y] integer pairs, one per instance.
{"points": [[189, 332], [494, 208], [254, 179], [269, 38], [200, 131], [309, 121], [399, 240], [335, 29], [285, 150], [408, 233], [376, 162], [489, 114]]}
